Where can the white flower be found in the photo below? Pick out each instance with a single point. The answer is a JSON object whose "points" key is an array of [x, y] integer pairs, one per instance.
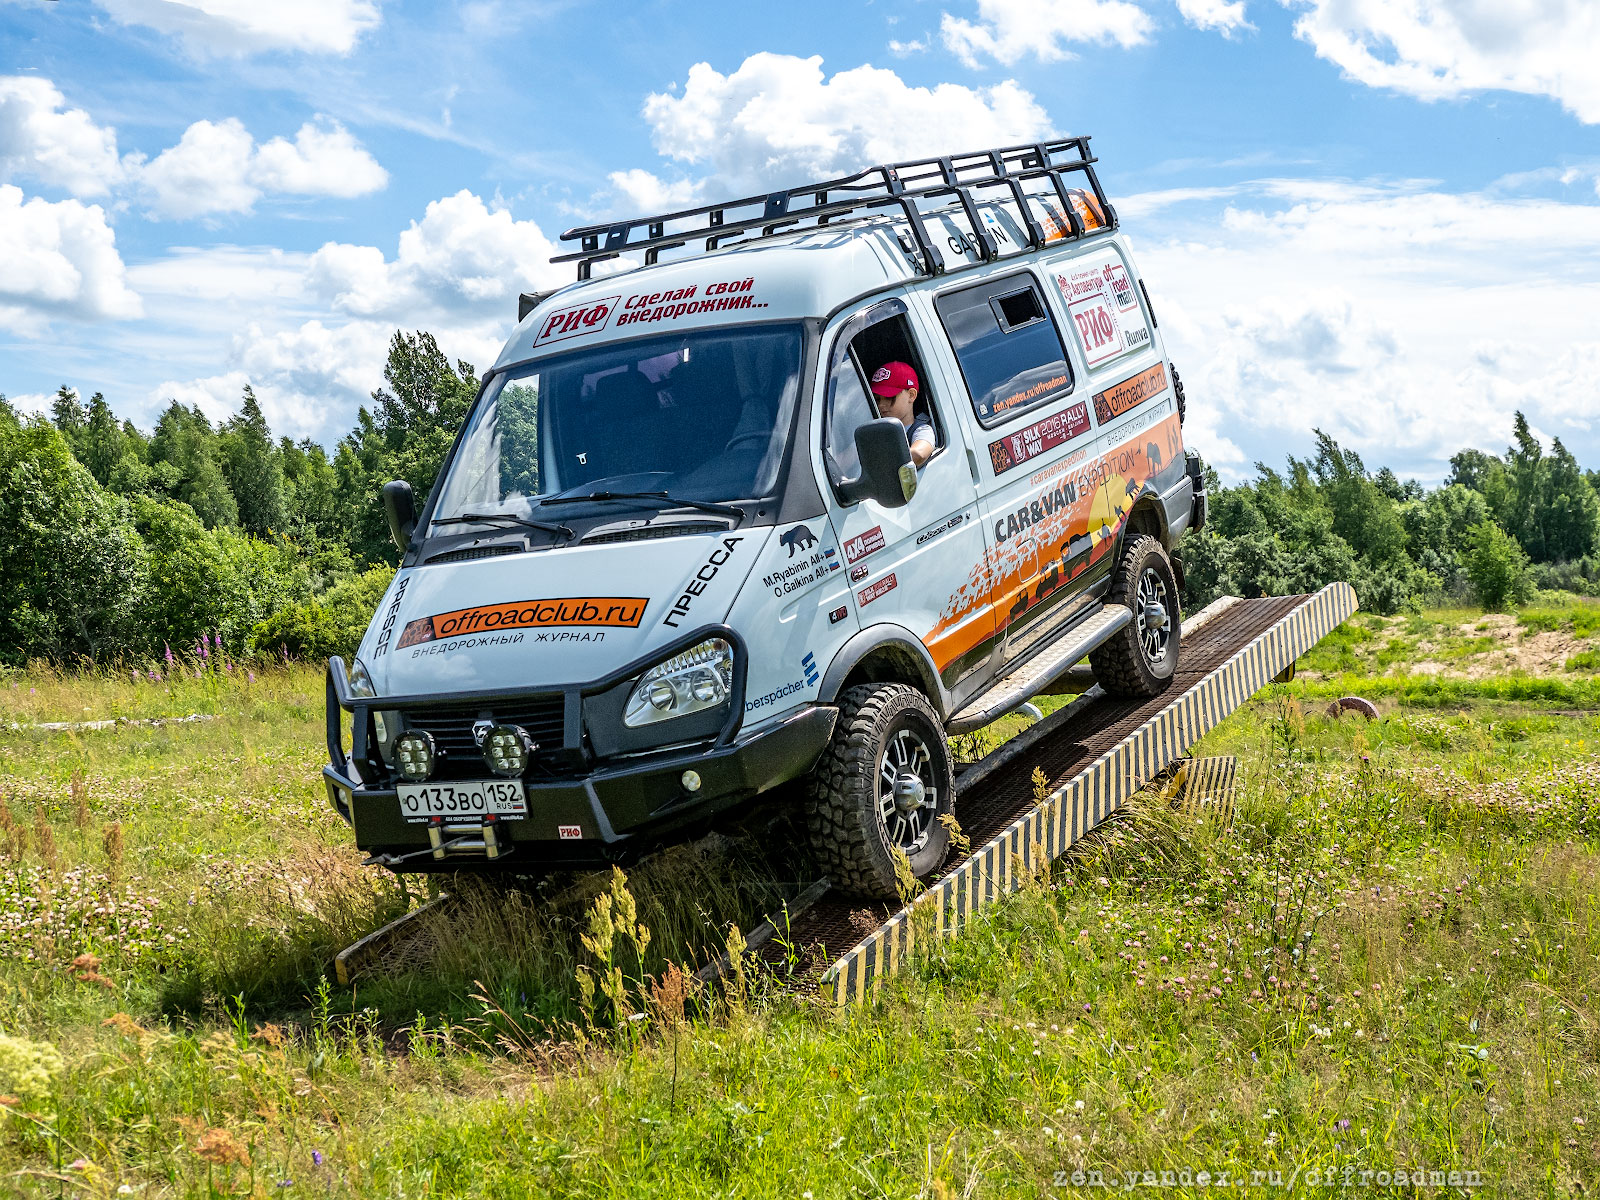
{"points": [[1078, 1104]]}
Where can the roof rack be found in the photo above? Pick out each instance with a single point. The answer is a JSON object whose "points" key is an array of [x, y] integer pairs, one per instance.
{"points": [[898, 186]]}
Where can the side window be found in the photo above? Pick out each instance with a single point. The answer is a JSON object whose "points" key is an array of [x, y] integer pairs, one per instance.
{"points": [[1008, 346], [1104, 306], [859, 351]]}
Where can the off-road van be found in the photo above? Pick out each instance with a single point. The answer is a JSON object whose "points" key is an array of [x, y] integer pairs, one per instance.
{"points": [[675, 557]]}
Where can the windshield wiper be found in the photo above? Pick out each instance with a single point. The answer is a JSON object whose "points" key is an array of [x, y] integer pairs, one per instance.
{"points": [[487, 518], [665, 499]]}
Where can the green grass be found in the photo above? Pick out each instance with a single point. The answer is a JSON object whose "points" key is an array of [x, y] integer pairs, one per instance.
{"points": [[1388, 959], [1580, 616]]}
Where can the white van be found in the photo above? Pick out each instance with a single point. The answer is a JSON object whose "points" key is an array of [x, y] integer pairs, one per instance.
{"points": [[675, 558]]}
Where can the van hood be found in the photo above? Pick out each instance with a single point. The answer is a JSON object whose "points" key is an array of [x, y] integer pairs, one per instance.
{"points": [[546, 619]]}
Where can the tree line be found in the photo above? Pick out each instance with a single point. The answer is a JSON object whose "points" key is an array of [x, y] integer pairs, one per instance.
{"points": [[122, 545], [117, 544]]}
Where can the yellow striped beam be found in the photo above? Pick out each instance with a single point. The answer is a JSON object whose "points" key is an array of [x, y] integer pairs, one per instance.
{"points": [[1049, 830]]}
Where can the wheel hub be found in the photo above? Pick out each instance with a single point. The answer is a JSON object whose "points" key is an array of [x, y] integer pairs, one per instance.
{"points": [[1154, 603], [908, 793]]}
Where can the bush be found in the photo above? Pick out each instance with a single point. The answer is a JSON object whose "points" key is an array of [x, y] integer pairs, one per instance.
{"points": [[333, 623], [1497, 567]]}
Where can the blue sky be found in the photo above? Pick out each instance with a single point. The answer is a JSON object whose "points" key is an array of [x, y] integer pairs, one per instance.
{"points": [[1377, 217]]}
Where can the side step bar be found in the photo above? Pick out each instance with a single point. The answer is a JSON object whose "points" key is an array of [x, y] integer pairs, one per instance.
{"points": [[1013, 690]]}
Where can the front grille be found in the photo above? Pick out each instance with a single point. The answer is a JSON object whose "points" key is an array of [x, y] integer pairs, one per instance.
{"points": [[451, 727], [474, 552], [645, 532]]}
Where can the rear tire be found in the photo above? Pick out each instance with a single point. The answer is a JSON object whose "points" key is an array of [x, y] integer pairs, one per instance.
{"points": [[1142, 657], [882, 784]]}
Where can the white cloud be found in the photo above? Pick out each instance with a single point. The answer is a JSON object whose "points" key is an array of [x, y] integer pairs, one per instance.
{"points": [[237, 27], [904, 49], [323, 160], [206, 172], [64, 149], [462, 259], [60, 260], [216, 167], [640, 191], [778, 120], [1442, 48], [1010, 30], [1379, 313], [455, 272], [1225, 16]]}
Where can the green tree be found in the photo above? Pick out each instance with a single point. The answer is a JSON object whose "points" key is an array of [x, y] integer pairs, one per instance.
{"points": [[101, 440], [184, 463], [404, 435], [70, 565], [1497, 566], [253, 469], [311, 490], [66, 410]]}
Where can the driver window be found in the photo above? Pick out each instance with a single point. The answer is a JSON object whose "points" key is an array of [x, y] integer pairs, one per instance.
{"points": [[850, 404]]}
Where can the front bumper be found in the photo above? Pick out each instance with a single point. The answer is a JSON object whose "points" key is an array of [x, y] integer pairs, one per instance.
{"points": [[599, 815]]}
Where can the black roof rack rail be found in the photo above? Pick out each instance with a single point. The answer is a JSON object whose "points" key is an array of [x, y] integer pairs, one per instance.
{"points": [[894, 186]]}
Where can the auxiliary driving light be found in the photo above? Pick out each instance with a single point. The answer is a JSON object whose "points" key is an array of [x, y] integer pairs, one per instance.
{"points": [[691, 781], [507, 749], [414, 754]]}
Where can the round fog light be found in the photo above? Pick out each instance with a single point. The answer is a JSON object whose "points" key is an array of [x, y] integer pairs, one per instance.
{"points": [[691, 781], [414, 755], [507, 749], [661, 694]]}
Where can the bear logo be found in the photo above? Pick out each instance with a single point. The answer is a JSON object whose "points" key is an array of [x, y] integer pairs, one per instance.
{"points": [[1153, 453], [798, 538]]}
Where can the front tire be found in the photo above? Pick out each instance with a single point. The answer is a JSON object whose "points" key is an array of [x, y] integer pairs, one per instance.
{"points": [[1142, 657], [882, 784]]}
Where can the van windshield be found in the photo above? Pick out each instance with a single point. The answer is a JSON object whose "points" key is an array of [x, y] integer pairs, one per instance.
{"points": [[702, 416]]}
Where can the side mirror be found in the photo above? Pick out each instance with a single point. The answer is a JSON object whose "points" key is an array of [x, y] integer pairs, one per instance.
{"points": [[887, 474], [401, 508]]}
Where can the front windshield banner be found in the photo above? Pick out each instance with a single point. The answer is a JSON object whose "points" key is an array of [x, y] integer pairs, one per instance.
{"points": [[703, 416]]}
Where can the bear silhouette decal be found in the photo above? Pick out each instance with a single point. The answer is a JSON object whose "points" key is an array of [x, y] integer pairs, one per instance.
{"points": [[798, 538]]}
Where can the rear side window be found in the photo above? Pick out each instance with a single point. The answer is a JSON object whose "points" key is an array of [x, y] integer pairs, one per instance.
{"points": [[1008, 346]]}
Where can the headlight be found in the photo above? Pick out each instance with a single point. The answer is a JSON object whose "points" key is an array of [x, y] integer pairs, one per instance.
{"points": [[414, 755], [387, 724], [360, 680], [697, 679]]}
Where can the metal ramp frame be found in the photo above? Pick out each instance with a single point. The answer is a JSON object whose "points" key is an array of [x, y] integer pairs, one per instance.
{"points": [[1097, 752]]}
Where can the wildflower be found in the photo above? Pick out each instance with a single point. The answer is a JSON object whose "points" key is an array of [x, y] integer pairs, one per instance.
{"points": [[316, 1157], [252, 676], [168, 649], [1077, 1105], [1343, 1123]]}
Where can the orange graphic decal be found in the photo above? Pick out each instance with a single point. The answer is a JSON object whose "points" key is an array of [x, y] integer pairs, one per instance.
{"points": [[1043, 545], [1130, 393], [624, 612]]}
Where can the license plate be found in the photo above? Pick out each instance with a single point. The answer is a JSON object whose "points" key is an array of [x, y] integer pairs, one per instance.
{"points": [[468, 799]]}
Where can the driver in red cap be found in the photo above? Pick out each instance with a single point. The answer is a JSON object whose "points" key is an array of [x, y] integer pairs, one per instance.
{"points": [[895, 386]]}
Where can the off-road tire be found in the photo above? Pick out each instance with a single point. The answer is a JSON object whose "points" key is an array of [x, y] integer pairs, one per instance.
{"points": [[848, 832], [1122, 665]]}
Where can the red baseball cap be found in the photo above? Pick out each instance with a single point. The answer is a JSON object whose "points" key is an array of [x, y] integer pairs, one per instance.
{"points": [[893, 378]]}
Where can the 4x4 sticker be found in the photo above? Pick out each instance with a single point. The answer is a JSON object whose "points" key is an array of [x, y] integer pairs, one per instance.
{"points": [[623, 612], [1055, 430], [708, 572], [864, 544], [1130, 393]]}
